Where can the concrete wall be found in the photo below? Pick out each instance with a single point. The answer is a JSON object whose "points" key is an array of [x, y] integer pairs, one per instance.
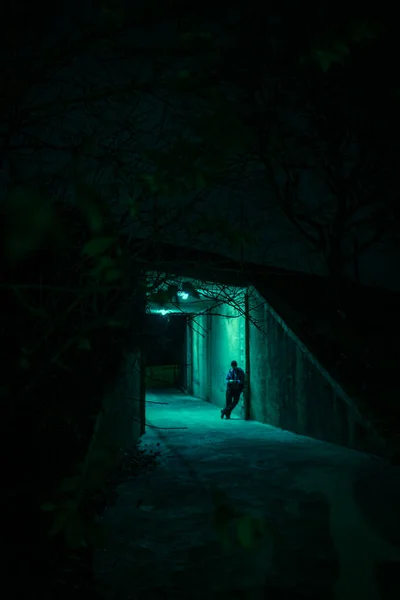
{"points": [[287, 387], [214, 340], [188, 357], [118, 426], [200, 356], [289, 391], [227, 343]]}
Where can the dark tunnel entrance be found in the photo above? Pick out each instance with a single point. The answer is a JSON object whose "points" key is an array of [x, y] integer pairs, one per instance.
{"points": [[164, 365]]}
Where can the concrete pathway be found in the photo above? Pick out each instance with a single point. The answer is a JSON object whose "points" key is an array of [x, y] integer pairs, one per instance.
{"points": [[238, 509]]}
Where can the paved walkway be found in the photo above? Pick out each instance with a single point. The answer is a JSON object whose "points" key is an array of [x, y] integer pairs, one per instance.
{"points": [[302, 519]]}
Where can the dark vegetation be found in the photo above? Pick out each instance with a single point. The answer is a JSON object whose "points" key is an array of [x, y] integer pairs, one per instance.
{"points": [[64, 332], [72, 291]]}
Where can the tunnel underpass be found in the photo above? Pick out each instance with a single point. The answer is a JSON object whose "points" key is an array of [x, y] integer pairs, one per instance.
{"points": [[286, 386], [196, 358]]}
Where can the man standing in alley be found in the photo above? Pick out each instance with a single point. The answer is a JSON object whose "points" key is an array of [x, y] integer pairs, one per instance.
{"points": [[234, 387]]}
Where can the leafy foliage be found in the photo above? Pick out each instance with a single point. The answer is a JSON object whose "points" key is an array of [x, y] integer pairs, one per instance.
{"points": [[234, 527], [31, 221], [68, 323], [336, 49]]}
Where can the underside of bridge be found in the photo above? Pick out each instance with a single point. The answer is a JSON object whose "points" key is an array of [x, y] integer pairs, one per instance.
{"points": [[286, 386]]}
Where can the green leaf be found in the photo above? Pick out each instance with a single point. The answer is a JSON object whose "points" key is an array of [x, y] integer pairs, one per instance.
{"points": [[225, 130], [224, 539], [59, 520], [90, 204], [250, 530], [245, 532], [112, 275], [332, 52], [59, 363], [340, 49], [115, 323], [69, 484], [48, 507], [24, 363], [303, 59], [362, 31], [113, 13], [95, 220], [104, 264], [200, 181], [96, 534], [323, 59], [75, 532], [31, 219], [69, 504], [98, 245], [37, 312], [151, 182], [132, 205], [194, 36], [83, 344]]}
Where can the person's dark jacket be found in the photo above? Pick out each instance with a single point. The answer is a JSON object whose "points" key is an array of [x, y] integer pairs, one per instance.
{"points": [[235, 379]]}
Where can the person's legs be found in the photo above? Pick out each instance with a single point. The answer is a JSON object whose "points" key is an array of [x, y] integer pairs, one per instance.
{"points": [[228, 404], [233, 401]]}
